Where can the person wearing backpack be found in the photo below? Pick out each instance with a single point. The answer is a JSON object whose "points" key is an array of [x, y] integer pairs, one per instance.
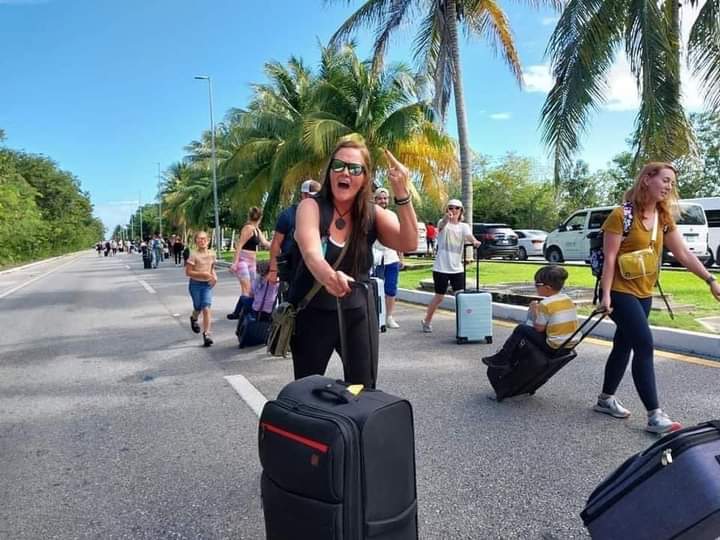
{"points": [[633, 238], [336, 253], [283, 238]]}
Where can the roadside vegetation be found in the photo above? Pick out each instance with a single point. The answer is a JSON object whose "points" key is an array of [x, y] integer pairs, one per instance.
{"points": [[43, 210]]}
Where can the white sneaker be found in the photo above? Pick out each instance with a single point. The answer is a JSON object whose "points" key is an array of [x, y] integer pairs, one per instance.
{"points": [[611, 406], [659, 422], [391, 323], [426, 327]]}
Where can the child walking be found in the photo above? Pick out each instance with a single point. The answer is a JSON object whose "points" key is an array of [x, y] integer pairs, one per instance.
{"points": [[550, 321], [200, 268]]}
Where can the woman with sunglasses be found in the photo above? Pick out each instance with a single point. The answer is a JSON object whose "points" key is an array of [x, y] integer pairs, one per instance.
{"points": [[448, 268], [346, 195]]}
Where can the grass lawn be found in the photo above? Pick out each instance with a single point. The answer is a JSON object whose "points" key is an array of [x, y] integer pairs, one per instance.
{"points": [[230, 255], [683, 287]]}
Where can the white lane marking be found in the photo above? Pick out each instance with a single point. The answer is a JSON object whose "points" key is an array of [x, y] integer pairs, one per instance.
{"points": [[128, 267], [251, 395], [33, 280], [147, 287]]}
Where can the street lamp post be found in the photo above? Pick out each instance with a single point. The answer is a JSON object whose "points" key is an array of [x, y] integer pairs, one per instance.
{"points": [[141, 223], [159, 201], [214, 164]]}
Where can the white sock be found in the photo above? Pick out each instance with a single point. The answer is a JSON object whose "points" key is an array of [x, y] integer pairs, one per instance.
{"points": [[654, 412]]}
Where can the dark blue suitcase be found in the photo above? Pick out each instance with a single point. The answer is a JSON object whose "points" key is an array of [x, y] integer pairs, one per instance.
{"points": [[669, 491]]}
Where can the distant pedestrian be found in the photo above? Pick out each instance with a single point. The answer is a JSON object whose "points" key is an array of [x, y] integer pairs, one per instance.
{"points": [[108, 247], [448, 268], [200, 268], [157, 250], [98, 248], [653, 206], [178, 248], [243, 266], [430, 237]]}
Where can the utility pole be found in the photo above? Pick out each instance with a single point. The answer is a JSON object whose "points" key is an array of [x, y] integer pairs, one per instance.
{"points": [[141, 223]]}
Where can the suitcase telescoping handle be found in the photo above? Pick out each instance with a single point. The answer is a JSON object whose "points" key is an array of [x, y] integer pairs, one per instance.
{"points": [[592, 321], [477, 264], [342, 325]]}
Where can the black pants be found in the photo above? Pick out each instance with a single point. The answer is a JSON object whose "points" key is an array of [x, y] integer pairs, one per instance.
{"points": [[317, 335], [539, 339], [632, 334], [178, 255]]}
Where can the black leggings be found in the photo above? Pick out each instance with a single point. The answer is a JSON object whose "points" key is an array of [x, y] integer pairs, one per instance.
{"points": [[178, 255], [317, 335], [632, 334]]}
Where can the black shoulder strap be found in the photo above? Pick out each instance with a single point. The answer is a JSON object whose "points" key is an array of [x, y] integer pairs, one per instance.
{"points": [[326, 215]]}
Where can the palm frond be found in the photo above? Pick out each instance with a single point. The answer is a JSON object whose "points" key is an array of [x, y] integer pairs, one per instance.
{"points": [[581, 49], [704, 52]]}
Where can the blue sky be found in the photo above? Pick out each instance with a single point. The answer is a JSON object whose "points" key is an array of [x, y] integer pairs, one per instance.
{"points": [[106, 88]]}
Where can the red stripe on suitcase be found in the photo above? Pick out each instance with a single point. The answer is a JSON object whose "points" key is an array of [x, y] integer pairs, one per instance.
{"points": [[315, 445]]}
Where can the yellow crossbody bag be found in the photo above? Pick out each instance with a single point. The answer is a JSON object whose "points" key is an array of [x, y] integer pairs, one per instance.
{"points": [[641, 262]]}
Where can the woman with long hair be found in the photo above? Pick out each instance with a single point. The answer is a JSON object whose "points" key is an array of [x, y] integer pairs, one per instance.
{"points": [[654, 202], [345, 205], [244, 265]]}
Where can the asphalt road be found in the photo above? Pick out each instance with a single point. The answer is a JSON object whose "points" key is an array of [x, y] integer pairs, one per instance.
{"points": [[115, 423]]}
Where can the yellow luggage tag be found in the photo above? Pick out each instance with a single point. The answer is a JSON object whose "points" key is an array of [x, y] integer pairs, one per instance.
{"points": [[355, 389]]}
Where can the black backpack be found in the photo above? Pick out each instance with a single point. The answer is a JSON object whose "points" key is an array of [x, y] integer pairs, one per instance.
{"points": [[597, 257], [289, 260]]}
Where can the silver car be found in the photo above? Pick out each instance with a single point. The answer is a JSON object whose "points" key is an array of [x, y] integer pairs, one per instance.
{"points": [[531, 243]]}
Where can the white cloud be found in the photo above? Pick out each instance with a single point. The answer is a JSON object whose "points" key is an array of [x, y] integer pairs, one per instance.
{"points": [[549, 21], [537, 79], [114, 213], [500, 116]]}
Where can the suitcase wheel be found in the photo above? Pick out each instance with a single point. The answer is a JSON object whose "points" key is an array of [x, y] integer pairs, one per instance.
{"points": [[461, 340], [488, 339]]}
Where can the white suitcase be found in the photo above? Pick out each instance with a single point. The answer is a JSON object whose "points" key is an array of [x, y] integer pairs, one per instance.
{"points": [[379, 288], [473, 313]]}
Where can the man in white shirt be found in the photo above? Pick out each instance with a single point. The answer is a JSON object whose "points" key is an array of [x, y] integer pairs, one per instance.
{"points": [[387, 264], [448, 268]]}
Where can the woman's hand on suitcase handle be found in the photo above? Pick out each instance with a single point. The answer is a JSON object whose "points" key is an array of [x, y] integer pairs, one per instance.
{"points": [[605, 305], [338, 284]]}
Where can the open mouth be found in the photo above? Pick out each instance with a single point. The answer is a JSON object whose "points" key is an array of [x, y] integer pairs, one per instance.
{"points": [[344, 184]]}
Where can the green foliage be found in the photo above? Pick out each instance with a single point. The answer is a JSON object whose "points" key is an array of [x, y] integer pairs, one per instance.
{"points": [[699, 176], [43, 212]]}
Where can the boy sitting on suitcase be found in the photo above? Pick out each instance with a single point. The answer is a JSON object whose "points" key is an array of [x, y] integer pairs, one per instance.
{"points": [[550, 321]]}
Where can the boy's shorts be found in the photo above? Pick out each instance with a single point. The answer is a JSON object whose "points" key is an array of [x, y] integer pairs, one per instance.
{"points": [[441, 280], [390, 273], [201, 294]]}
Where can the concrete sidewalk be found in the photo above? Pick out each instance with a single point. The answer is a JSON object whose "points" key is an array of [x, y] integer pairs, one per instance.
{"points": [[668, 339]]}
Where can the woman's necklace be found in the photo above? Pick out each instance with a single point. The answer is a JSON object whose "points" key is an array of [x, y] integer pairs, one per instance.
{"points": [[340, 222]]}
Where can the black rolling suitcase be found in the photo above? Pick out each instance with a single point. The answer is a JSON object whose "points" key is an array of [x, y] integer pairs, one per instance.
{"points": [[669, 491], [338, 463], [531, 367]]}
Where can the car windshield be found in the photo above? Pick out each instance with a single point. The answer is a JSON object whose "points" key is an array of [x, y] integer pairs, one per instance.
{"points": [[691, 214]]}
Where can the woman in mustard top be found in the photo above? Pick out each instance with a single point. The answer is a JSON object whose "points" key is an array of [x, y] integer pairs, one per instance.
{"points": [[653, 196]]}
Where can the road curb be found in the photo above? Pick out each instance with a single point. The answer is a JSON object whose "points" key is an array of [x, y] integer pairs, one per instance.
{"points": [[30, 265], [667, 339]]}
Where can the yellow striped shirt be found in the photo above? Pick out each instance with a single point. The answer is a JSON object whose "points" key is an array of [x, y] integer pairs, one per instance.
{"points": [[557, 313]]}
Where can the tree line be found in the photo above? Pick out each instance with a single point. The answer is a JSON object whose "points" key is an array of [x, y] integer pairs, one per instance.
{"points": [[43, 210]]}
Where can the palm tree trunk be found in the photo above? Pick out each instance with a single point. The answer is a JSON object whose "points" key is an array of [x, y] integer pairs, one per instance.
{"points": [[466, 181]]}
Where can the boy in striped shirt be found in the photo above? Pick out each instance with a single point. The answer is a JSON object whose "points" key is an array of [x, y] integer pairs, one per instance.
{"points": [[550, 322]]}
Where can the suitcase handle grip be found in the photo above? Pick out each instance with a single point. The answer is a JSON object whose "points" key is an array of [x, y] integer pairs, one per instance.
{"points": [[337, 391]]}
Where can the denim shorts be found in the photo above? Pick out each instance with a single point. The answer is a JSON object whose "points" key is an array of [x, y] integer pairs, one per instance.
{"points": [[390, 273], [201, 293]]}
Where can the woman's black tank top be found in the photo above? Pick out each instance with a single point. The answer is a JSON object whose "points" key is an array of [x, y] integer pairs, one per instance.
{"points": [[253, 242], [324, 300]]}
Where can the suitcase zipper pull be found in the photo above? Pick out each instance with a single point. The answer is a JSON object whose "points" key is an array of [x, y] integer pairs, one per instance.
{"points": [[666, 458]]}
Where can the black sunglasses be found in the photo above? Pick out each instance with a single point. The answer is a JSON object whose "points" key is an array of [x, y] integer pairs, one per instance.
{"points": [[453, 208], [354, 169]]}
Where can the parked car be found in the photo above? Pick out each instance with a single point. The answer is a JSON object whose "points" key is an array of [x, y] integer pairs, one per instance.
{"points": [[571, 240], [530, 243], [496, 240], [711, 205]]}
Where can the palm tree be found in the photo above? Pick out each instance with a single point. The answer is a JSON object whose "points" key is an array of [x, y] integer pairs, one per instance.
{"points": [[582, 49], [438, 50], [286, 133]]}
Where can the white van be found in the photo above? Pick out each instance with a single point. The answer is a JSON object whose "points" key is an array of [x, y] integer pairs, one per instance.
{"points": [[421, 248], [571, 240], [711, 206]]}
